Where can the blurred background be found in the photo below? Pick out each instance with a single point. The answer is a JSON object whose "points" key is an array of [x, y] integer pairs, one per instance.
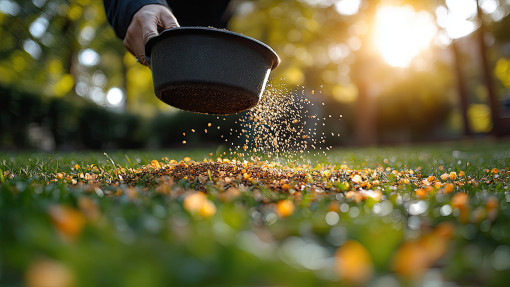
{"points": [[397, 71]]}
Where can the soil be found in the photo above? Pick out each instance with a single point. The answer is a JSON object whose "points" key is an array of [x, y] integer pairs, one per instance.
{"points": [[208, 98]]}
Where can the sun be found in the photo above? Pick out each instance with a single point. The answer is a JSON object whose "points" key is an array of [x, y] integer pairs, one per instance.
{"points": [[401, 33]]}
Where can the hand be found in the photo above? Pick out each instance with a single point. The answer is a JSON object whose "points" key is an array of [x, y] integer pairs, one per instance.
{"points": [[145, 24]]}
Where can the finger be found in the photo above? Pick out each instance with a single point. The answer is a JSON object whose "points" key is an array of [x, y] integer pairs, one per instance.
{"points": [[140, 51], [147, 35], [150, 29], [167, 21], [144, 26], [133, 35], [142, 60], [146, 29], [132, 42], [128, 47]]}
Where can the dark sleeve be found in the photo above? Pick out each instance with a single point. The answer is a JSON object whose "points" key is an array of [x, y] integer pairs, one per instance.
{"points": [[120, 12], [201, 13]]}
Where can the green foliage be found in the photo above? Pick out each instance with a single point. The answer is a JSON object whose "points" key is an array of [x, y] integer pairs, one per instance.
{"points": [[79, 123], [305, 34], [418, 113], [149, 238]]}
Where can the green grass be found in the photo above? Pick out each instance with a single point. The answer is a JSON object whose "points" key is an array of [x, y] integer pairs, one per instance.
{"points": [[109, 233]]}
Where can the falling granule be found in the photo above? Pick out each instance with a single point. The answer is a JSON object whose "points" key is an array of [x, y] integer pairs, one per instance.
{"points": [[183, 142], [284, 125], [277, 126]]}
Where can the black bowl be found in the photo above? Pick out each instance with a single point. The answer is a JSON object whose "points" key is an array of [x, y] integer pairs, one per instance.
{"points": [[208, 70]]}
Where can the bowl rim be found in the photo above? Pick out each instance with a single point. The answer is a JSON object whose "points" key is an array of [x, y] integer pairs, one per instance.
{"points": [[254, 43]]}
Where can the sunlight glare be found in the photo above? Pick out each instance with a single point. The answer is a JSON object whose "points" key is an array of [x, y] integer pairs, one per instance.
{"points": [[318, 3], [457, 17], [463, 8], [347, 7], [402, 33], [458, 27], [489, 6]]}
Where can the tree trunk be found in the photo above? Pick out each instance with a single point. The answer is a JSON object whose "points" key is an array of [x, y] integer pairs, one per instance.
{"points": [[487, 75], [461, 88], [71, 42], [127, 105], [365, 132]]}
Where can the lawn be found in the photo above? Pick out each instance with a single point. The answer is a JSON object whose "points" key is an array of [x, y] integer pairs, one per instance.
{"points": [[431, 215]]}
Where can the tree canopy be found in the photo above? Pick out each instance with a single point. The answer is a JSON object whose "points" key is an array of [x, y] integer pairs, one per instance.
{"points": [[343, 48]]}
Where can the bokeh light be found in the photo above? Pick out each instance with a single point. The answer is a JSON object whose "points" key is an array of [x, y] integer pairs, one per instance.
{"points": [[115, 97], [479, 118], [463, 8], [344, 50], [39, 3], [88, 57], [347, 7], [38, 27], [9, 7], [97, 95], [31, 47], [456, 21]]}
